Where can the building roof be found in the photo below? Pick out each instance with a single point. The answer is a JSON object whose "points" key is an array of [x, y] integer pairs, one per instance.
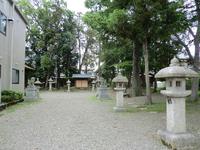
{"points": [[83, 76], [19, 12]]}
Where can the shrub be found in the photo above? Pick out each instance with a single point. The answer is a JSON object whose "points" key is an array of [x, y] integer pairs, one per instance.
{"points": [[9, 95], [18, 96], [6, 98]]}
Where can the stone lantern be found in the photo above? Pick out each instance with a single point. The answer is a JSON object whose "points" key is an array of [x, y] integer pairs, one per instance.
{"points": [[93, 85], [38, 85], [68, 85], [50, 84], [176, 135], [120, 88]]}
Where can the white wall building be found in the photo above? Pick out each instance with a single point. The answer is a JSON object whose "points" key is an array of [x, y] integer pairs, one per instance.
{"points": [[12, 46]]}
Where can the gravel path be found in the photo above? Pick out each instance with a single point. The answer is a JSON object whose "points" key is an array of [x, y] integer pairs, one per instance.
{"points": [[72, 121]]}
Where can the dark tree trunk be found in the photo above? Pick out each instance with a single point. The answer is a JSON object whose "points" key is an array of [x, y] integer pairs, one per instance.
{"points": [[195, 81], [147, 81], [155, 82], [135, 80], [47, 78]]}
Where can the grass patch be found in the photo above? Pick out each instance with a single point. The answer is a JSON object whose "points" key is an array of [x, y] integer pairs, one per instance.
{"points": [[21, 105], [95, 99], [193, 106], [155, 107]]}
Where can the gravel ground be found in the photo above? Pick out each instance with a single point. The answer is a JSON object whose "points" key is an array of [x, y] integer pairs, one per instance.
{"points": [[72, 121]]}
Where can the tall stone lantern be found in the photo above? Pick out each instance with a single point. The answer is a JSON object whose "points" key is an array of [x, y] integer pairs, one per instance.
{"points": [[68, 85], [176, 135], [120, 81], [50, 84]]}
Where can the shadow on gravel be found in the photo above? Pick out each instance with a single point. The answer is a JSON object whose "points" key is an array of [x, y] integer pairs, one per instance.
{"points": [[18, 106]]}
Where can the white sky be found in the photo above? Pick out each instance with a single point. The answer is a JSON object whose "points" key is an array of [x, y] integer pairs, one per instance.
{"points": [[76, 5]]}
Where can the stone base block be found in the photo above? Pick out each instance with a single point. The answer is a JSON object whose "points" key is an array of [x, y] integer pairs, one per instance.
{"points": [[119, 109], [179, 141], [102, 94]]}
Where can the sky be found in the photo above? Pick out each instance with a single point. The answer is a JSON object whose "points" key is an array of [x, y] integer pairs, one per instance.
{"points": [[76, 5]]}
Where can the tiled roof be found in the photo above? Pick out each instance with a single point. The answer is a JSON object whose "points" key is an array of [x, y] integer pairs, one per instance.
{"points": [[83, 76]]}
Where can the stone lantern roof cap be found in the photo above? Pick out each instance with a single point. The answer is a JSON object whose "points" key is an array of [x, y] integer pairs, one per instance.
{"points": [[175, 70], [38, 81], [68, 81], [120, 79], [50, 80], [93, 82]]}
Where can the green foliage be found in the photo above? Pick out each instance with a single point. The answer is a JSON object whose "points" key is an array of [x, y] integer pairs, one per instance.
{"points": [[46, 62], [8, 96], [51, 37], [123, 25], [6, 99]]}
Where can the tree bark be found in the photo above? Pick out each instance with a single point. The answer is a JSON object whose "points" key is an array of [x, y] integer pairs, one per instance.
{"points": [[195, 81], [147, 81], [135, 79]]}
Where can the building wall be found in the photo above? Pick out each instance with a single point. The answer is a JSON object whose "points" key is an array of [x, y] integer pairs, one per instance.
{"points": [[12, 48]]}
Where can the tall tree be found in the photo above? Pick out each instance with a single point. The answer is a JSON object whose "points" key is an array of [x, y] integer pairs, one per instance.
{"points": [[50, 36], [192, 36], [144, 22]]}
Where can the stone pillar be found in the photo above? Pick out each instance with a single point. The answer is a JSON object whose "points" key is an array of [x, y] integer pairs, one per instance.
{"points": [[93, 85], [119, 100], [176, 135], [176, 115]]}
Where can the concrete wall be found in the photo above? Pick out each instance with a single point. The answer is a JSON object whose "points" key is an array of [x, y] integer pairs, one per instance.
{"points": [[12, 48]]}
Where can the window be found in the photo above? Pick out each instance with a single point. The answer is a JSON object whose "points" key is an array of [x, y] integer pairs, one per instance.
{"points": [[15, 76], [170, 83], [3, 23], [178, 83]]}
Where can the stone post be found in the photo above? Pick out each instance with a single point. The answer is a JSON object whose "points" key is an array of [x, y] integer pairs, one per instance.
{"points": [[176, 135], [68, 85], [119, 80], [50, 84], [93, 85]]}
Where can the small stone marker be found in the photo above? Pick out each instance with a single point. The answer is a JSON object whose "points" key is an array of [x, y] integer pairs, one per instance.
{"points": [[68, 85], [50, 84], [120, 88], [31, 92], [176, 135]]}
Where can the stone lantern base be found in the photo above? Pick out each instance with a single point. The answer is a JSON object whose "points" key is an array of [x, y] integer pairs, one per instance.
{"points": [[179, 141]]}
